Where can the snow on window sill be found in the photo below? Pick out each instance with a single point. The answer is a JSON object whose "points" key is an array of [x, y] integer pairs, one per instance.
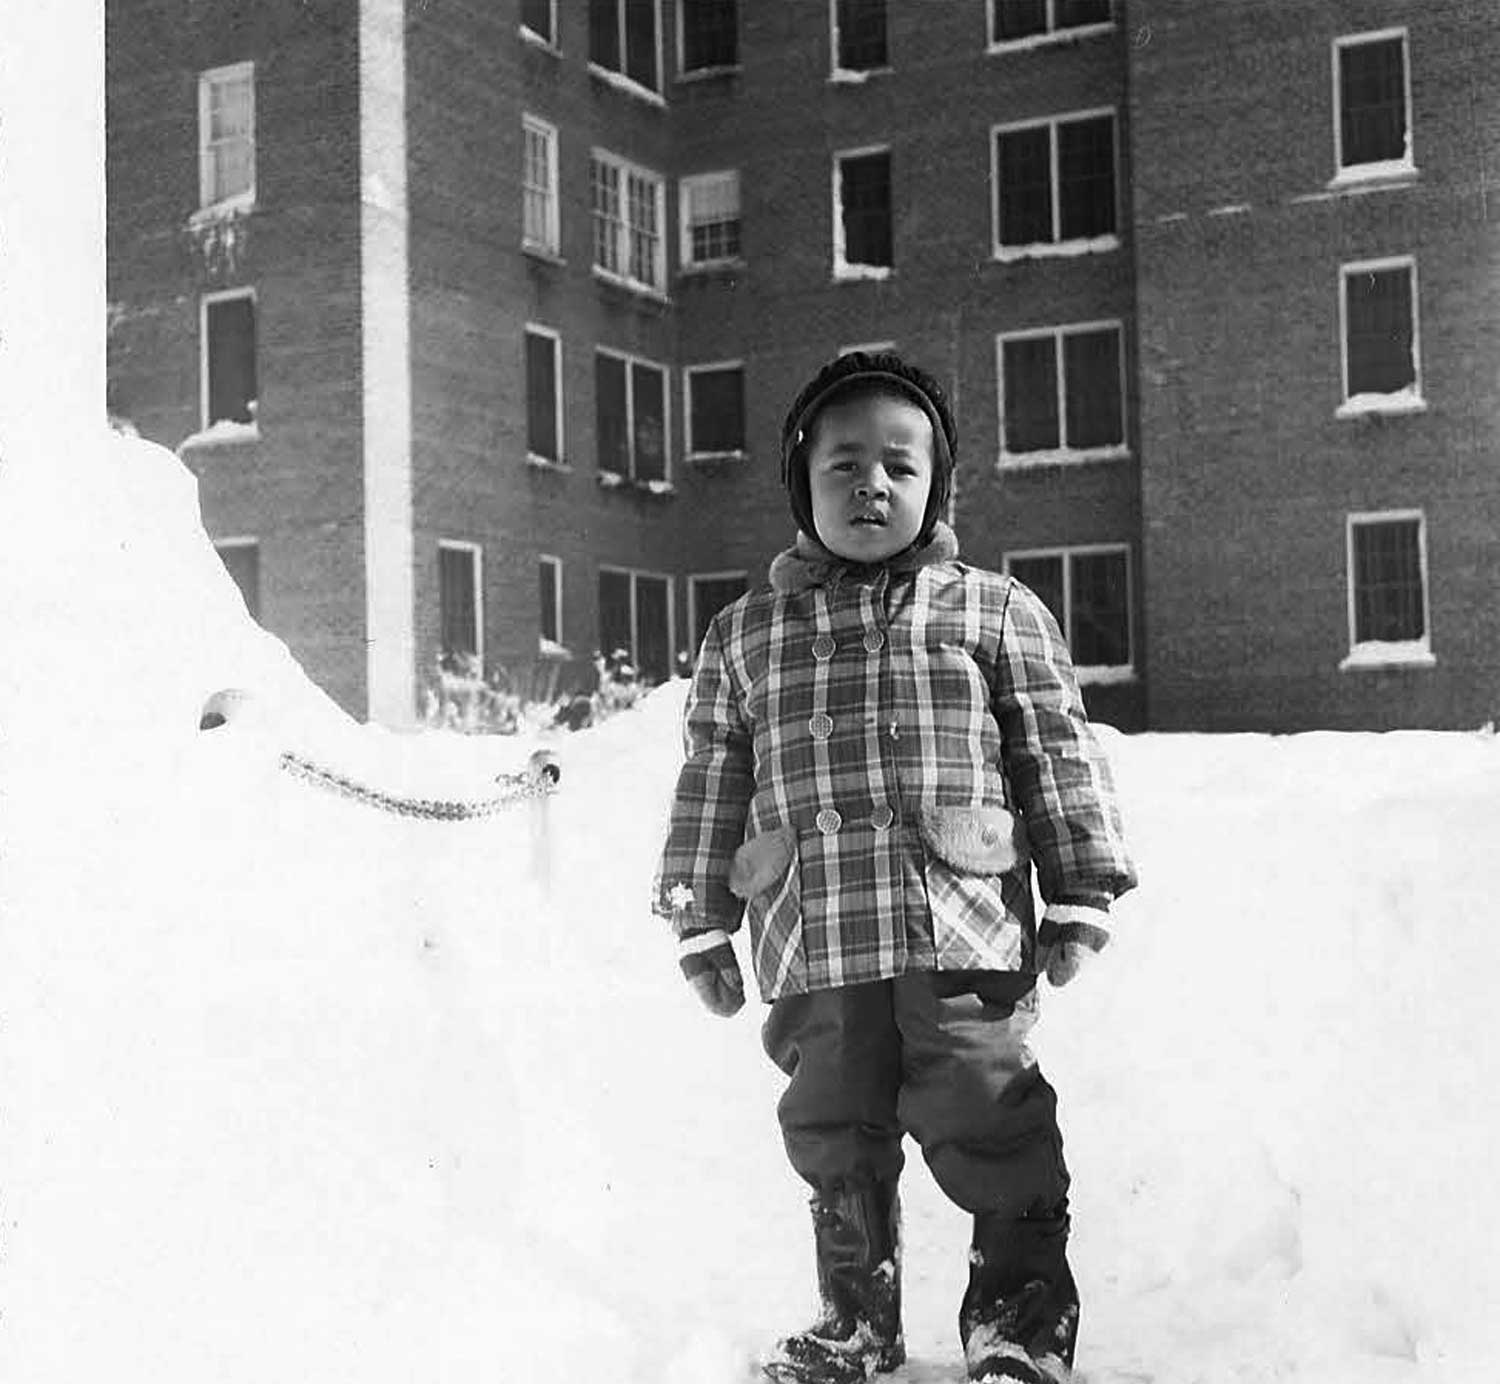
{"points": [[708, 74], [551, 650], [632, 286], [540, 41], [655, 486], [852, 76], [1361, 176], [547, 254], [611, 480], [1058, 249], [541, 463], [620, 82], [224, 433], [1393, 405], [1061, 456], [241, 204], [1105, 675], [1058, 38], [617, 480], [861, 273], [708, 458], [706, 269], [1406, 653]]}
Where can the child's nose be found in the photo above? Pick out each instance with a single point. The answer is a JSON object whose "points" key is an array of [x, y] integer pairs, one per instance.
{"points": [[873, 482]]}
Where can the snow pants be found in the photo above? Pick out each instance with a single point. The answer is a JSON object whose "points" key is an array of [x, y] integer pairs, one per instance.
{"points": [[940, 1055]]}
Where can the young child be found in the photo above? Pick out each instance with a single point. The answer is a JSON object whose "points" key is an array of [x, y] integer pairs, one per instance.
{"points": [[877, 748]]}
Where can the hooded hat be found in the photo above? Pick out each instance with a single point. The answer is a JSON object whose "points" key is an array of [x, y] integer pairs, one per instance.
{"points": [[857, 371]]}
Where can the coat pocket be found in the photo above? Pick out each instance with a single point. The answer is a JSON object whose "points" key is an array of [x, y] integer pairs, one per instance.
{"points": [[766, 873], [975, 840]]}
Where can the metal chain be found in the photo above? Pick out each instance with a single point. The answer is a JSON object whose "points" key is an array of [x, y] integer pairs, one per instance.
{"points": [[518, 788]]}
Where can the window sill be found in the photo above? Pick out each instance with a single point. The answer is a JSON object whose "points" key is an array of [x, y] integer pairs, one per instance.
{"points": [[735, 458], [227, 210], [541, 463], [1058, 38], [628, 85], [1060, 456], [540, 42], [1369, 177], [1376, 655], [709, 74], [861, 273], [615, 480], [550, 651], [632, 287], [543, 255], [712, 269], [1106, 676], [1381, 405], [851, 76], [224, 433], [1058, 249]]}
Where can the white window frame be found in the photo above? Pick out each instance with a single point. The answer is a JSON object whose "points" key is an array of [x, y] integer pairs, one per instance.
{"points": [[1409, 400], [1098, 673], [853, 74], [1411, 653], [635, 629], [1051, 35], [560, 463], [239, 201], [693, 454], [231, 431], [556, 564], [692, 588], [1047, 249], [551, 243], [685, 260], [1404, 167], [541, 40], [1062, 455], [870, 348], [625, 170], [697, 73], [620, 79], [476, 555], [630, 360], [842, 269]]}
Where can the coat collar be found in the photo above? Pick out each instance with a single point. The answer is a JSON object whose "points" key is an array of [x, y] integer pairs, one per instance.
{"points": [[808, 563]]}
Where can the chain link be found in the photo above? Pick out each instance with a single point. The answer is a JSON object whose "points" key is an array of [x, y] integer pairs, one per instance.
{"points": [[518, 788]]}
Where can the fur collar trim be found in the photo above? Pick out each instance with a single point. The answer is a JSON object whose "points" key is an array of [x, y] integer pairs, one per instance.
{"points": [[808, 563]]}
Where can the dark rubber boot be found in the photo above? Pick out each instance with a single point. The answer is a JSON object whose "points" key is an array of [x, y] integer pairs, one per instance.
{"points": [[857, 1234], [1019, 1319]]}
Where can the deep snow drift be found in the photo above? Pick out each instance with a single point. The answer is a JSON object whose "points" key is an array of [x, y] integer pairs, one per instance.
{"points": [[296, 1089]]}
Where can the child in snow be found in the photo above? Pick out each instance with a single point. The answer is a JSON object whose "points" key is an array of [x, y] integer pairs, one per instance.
{"points": [[877, 748]]}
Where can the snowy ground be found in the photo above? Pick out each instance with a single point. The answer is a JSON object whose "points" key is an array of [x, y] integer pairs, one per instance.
{"points": [[292, 1089]]}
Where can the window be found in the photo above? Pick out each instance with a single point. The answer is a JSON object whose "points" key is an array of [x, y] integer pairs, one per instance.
{"points": [[539, 229], [862, 240], [1372, 133], [715, 410], [1062, 393], [241, 559], [226, 137], [708, 594], [710, 207], [459, 606], [1381, 356], [543, 396], [230, 391], [629, 212], [549, 586], [623, 39], [1030, 21], [859, 36], [635, 614], [539, 17], [1087, 589], [870, 348], [710, 34], [1388, 596], [631, 416], [1055, 183]]}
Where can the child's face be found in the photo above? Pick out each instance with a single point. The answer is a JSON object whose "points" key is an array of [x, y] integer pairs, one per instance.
{"points": [[869, 473]]}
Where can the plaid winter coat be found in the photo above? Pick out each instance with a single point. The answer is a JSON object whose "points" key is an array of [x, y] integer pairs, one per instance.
{"points": [[874, 757]]}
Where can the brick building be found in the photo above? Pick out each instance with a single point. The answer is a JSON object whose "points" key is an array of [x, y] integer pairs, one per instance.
{"points": [[477, 321]]}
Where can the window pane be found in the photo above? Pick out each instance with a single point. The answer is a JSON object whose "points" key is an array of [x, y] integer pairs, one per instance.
{"points": [[614, 613], [1074, 14], [718, 410], [710, 596], [1099, 634], [645, 229], [604, 33], [536, 15], [539, 195], [242, 561], [640, 42], [1091, 386], [1044, 576], [550, 627], [612, 422], [1086, 174], [605, 178], [1030, 392], [1024, 165], [541, 396], [1381, 359], [710, 35], [713, 215], [1372, 102], [1388, 581], [1015, 19], [865, 194], [653, 651], [862, 35], [648, 387], [458, 608], [231, 360]]}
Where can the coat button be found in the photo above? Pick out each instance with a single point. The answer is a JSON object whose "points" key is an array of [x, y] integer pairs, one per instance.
{"points": [[829, 821], [823, 647], [874, 641], [989, 836], [821, 725], [882, 817]]}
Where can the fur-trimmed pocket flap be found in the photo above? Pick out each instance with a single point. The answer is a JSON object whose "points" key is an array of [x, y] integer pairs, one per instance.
{"points": [[761, 862], [975, 840]]}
